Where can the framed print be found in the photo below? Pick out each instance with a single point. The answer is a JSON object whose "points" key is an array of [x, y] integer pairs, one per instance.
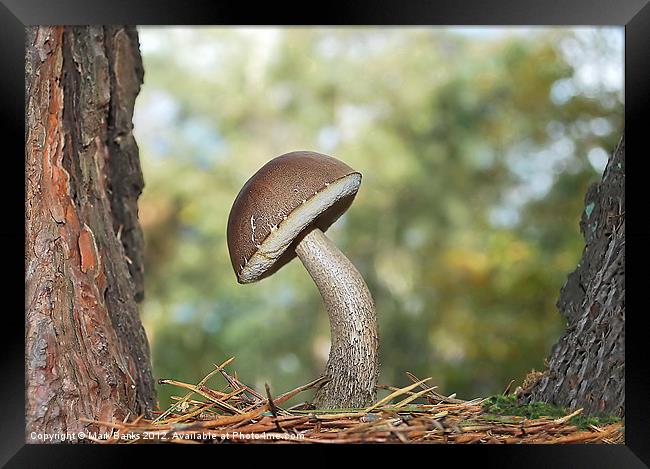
{"points": [[397, 225]]}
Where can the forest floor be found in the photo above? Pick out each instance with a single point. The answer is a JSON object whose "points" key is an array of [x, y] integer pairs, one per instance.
{"points": [[239, 414]]}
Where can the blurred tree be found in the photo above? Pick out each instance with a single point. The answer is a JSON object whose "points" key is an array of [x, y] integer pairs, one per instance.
{"points": [[86, 353], [475, 152]]}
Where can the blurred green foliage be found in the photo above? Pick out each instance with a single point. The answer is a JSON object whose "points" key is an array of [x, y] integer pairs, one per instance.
{"points": [[476, 149]]}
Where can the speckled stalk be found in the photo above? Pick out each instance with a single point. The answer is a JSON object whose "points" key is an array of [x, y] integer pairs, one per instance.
{"points": [[353, 361]]}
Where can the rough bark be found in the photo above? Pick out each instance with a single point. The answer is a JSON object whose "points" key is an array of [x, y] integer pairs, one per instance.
{"points": [[87, 355], [587, 366]]}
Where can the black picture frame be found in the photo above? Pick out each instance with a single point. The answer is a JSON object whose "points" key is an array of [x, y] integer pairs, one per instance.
{"points": [[634, 15]]}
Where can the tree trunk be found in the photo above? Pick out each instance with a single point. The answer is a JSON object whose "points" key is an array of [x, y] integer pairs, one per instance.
{"points": [[87, 355], [587, 366]]}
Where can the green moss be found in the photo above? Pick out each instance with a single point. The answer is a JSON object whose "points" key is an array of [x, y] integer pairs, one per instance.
{"points": [[583, 421], [508, 405]]}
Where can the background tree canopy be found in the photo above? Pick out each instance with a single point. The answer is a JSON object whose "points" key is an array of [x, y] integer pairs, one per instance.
{"points": [[476, 147]]}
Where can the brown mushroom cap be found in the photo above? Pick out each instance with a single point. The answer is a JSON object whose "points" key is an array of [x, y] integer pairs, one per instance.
{"points": [[287, 195]]}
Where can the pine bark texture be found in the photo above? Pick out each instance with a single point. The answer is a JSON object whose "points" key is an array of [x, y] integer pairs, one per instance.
{"points": [[587, 366], [87, 355]]}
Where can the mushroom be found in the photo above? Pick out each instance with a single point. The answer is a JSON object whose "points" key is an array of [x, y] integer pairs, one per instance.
{"points": [[282, 211]]}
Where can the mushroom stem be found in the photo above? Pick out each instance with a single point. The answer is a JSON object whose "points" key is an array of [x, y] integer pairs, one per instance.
{"points": [[353, 361]]}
